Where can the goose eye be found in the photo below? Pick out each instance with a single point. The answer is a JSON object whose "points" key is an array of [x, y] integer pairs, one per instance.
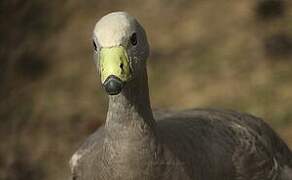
{"points": [[133, 39], [94, 45]]}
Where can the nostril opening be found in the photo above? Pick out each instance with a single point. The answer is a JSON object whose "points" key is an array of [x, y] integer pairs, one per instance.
{"points": [[122, 66]]}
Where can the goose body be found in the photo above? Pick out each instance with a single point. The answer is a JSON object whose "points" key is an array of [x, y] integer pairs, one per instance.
{"points": [[138, 144]]}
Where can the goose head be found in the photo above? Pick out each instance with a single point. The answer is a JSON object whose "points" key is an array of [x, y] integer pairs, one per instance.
{"points": [[120, 50]]}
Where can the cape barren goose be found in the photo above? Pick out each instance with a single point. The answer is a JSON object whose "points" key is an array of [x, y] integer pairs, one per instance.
{"points": [[198, 144]]}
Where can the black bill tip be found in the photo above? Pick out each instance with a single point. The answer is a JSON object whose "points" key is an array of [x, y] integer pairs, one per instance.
{"points": [[113, 85]]}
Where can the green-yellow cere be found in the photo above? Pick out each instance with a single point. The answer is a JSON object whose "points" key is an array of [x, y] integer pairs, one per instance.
{"points": [[114, 61]]}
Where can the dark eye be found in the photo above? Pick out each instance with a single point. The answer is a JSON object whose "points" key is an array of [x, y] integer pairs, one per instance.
{"points": [[133, 39], [94, 45]]}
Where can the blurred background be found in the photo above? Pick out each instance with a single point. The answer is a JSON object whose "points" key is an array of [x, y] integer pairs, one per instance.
{"points": [[224, 54]]}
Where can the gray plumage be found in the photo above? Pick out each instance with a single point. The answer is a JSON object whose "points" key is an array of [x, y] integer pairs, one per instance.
{"points": [[198, 144]]}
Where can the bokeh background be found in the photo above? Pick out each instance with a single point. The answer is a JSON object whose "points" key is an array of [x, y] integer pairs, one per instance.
{"points": [[234, 54]]}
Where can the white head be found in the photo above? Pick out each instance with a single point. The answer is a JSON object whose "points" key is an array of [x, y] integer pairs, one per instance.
{"points": [[121, 50]]}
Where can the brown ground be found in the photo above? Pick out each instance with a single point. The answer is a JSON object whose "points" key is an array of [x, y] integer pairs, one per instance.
{"points": [[225, 54]]}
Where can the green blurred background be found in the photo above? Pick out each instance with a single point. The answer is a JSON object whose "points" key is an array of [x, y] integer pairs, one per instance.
{"points": [[234, 54]]}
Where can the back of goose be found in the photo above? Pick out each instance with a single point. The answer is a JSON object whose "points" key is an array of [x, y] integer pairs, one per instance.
{"points": [[228, 137]]}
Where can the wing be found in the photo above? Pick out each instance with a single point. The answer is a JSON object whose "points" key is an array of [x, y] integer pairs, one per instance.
{"points": [[90, 148], [256, 150]]}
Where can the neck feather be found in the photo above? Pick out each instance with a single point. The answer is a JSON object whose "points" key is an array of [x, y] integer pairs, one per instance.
{"points": [[130, 111], [130, 128]]}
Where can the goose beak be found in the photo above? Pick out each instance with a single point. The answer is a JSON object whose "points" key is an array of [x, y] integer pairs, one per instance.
{"points": [[114, 69]]}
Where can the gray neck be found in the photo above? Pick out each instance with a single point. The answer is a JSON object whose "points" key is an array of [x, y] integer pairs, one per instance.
{"points": [[129, 113], [130, 128]]}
